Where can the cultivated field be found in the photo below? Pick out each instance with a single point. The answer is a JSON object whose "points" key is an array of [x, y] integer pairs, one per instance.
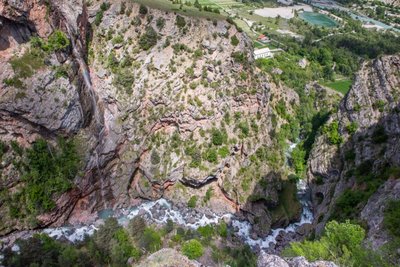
{"points": [[283, 12], [186, 10]]}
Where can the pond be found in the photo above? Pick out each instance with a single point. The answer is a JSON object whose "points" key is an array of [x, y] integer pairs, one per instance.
{"points": [[318, 19]]}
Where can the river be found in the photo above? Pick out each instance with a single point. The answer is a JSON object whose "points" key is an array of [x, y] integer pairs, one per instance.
{"points": [[161, 211]]}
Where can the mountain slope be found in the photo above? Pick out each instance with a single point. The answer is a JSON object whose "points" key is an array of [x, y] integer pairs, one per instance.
{"points": [[353, 169]]}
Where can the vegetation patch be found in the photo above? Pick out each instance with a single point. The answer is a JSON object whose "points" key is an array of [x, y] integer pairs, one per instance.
{"points": [[342, 86], [26, 65], [148, 39], [46, 171], [332, 133], [193, 249], [392, 218], [341, 243], [57, 41]]}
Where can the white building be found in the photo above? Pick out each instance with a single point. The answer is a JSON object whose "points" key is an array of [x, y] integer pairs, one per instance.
{"points": [[263, 53]]}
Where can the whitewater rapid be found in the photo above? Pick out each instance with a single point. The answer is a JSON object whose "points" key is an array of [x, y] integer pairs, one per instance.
{"points": [[161, 211], [168, 212]]}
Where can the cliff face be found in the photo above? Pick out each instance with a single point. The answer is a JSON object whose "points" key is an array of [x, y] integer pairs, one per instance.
{"points": [[268, 260], [167, 106], [357, 178], [168, 257]]}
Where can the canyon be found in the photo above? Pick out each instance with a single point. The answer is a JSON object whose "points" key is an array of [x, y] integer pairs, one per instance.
{"points": [[169, 111]]}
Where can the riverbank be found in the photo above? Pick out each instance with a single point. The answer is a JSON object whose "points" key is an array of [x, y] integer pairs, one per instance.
{"points": [[161, 211]]}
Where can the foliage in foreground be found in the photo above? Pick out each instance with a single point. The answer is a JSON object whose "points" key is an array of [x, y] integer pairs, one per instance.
{"points": [[341, 243], [193, 249], [114, 245]]}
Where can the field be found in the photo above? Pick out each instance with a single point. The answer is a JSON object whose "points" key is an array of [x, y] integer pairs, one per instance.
{"points": [[318, 19], [186, 10], [342, 86], [219, 3], [284, 12]]}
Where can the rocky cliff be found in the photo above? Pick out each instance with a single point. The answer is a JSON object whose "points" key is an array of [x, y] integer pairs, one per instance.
{"points": [[170, 257], [354, 165], [159, 105]]}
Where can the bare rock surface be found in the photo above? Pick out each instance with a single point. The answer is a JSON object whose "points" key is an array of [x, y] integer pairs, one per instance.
{"points": [[269, 260], [190, 115], [373, 212], [167, 257], [371, 106]]}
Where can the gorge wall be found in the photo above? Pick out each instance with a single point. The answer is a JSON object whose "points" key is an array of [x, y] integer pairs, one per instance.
{"points": [[160, 105], [164, 105], [357, 178]]}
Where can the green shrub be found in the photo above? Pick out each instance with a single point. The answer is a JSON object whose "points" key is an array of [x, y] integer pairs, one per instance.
{"points": [[148, 39], [234, 40], [105, 6], [3, 148], [180, 47], [218, 137], [211, 155], [198, 53], [236, 257], [119, 39], [17, 148], [350, 155], [169, 226], [341, 243], [262, 154], [15, 81], [298, 159], [150, 240], [143, 10], [352, 127], [124, 79], [392, 217], [136, 227], [206, 231], [222, 229], [155, 157], [332, 133], [347, 205], [109, 246], [192, 202], [193, 249], [223, 152], [26, 65], [122, 8], [160, 23], [112, 62], [244, 128], [113, 243], [176, 140], [195, 154], [239, 57], [380, 105], [209, 194], [379, 135], [105, 234], [57, 41], [180, 21], [48, 171], [98, 18], [122, 250], [42, 250]]}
